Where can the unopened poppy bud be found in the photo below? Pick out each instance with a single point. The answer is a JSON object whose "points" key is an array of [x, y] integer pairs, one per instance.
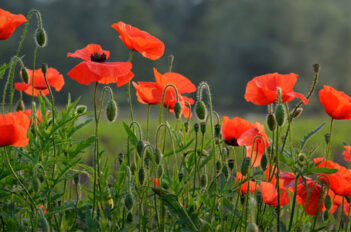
{"points": [[111, 110], [245, 166], [44, 224], [180, 176], [225, 171], [76, 179], [140, 148], [252, 227], [186, 126], [159, 171], [129, 217], [327, 202], [40, 37], [158, 156], [203, 127], [25, 75], [264, 162], [141, 175], [20, 106], [120, 158], [80, 109], [133, 167], [129, 201], [231, 164], [296, 113], [217, 130], [218, 166], [327, 138], [271, 122], [200, 110], [259, 197], [44, 68], [196, 127], [36, 184], [128, 172], [280, 114], [177, 109], [242, 199], [301, 158], [203, 180], [316, 68]]}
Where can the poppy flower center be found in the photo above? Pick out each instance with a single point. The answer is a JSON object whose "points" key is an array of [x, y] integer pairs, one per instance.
{"points": [[232, 142], [97, 57]]}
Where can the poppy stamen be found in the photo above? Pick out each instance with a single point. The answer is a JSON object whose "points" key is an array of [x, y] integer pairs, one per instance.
{"points": [[96, 57]]}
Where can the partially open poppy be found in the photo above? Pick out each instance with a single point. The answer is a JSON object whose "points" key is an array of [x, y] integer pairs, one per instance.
{"points": [[14, 127], [95, 69], [336, 104], [310, 197], [346, 153], [55, 80], [339, 182], [9, 22], [262, 90], [140, 41]]}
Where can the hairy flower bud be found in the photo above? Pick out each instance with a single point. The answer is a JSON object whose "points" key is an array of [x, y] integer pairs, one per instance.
{"points": [[203, 127], [271, 122], [80, 109], [316, 68], [140, 148], [280, 114], [177, 109], [159, 171], [217, 130], [296, 113], [327, 202], [40, 37], [130, 217], [200, 110], [196, 127], [141, 175], [111, 110], [203, 180], [264, 162], [231, 164], [20, 106], [129, 201], [25, 75], [158, 156]]}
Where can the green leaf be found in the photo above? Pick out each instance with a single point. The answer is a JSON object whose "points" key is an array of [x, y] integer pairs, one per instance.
{"points": [[310, 134], [320, 170], [3, 70], [131, 134]]}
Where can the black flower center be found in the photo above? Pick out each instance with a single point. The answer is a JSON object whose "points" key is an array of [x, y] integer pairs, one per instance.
{"points": [[97, 57], [232, 142]]}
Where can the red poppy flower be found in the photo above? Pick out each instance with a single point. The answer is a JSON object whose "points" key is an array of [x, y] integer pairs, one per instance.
{"points": [[95, 69], [309, 197], [270, 194], [55, 80], [262, 90], [14, 127], [38, 115], [232, 129], [155, 180], [336, 104], [346, 153], [339, 182], [252, 185], [140, 41], [151, 92], [9, 22]]}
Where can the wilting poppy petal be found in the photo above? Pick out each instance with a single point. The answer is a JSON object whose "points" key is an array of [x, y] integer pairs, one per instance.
{"points": [[55, 80], [262, 90], [232, 129], [141, 41], [14, 127], [336, 104], [346, 153], [9, 22], [310, 202]]}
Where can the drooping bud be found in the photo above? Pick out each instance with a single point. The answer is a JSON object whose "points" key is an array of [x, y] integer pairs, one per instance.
{"points": [[133, 167], [296, 113], [203, 127], [20, 106], [301, 158], [245, 166], [316, 68], [44, 68], [158, 156], [159, 171], [264, 162], [129, 201], [280, 114], [271, 122], [177, 110], [40, 37], [231, 164], [111, 110], [217, 130], [196, 127], [203, 180], [200, 110], [140, 148], [141, 175], [80, 109], [25, 75]]}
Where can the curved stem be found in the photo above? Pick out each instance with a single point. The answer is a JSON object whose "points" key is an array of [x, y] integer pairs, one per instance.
{"points": [[34, 60], [163, 100]]}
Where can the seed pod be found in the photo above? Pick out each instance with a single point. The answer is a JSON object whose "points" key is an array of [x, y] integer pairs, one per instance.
{"points": [[301, 158], [80, 109], [25, 75], [203, 127], [76, 179], [200, 110], [177, 110], [296, 113], [245, 166], [231, 164], [271, 122], [128, 172], [141, 175], [129, 201], [140, 148], [40, 37], [159, 171], [158, 156], [327, 202], [45, 227], [20, 106], [280, 114], [129, 217], [252, 227], [44, 68], [203, 180], [259, 197], [225, 171], [316, 68], [264, 162], [186, 126], [111, 110], [196, 127], [217, 130], [218, 166], [180, 176]]}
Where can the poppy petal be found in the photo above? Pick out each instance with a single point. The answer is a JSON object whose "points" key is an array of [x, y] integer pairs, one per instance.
{"points": [[85, 53]]}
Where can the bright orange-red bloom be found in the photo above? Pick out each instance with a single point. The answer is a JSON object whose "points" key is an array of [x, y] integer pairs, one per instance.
{"points": [[9, 22], [55, 80], [14, 127], [339, 182], [315, 201], [252, 185], [262, 90], [95, 69], [151, 92], [346, 153], [336, 104], [155, 180], [240, 132], [270, 194], [140, 41]]}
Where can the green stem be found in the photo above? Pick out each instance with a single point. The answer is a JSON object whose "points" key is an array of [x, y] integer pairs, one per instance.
{"points": [[329, 142], [129, 87], [96, 151], [293, 204], [148, 121], [195, 151], [277, 179]]}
